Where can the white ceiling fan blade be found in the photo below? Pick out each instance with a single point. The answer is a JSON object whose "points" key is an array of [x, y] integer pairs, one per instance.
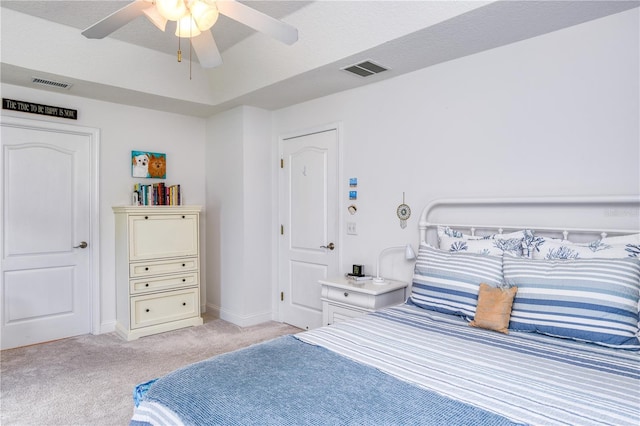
{"points": [[156, 19], [117, 19], [207, 50], [258, 21]]}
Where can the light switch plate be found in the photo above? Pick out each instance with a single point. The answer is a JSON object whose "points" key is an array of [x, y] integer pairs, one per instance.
{"points": [[351, 228]]}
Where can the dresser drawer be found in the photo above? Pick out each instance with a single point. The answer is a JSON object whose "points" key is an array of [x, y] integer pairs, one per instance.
{"points": [[145, 269], [159, 308], [170, 282], [153, 236]]}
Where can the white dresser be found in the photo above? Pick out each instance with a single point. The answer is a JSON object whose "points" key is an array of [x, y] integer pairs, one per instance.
{"points": [[157, 269], [343, 298]]}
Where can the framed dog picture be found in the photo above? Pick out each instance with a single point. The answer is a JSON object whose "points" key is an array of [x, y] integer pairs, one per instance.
{"points": [[148, 165]]}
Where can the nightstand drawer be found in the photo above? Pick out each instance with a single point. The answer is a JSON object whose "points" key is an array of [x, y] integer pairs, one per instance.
{"points": [[169, 282], [159, 308], [145, 269], [351, 297]]}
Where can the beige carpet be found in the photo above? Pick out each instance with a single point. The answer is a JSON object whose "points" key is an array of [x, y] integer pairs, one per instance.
{"points": [[89, 380]]}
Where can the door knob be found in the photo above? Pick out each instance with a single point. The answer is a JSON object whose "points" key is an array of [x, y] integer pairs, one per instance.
{"points": [[83, 244], [331, 246]]}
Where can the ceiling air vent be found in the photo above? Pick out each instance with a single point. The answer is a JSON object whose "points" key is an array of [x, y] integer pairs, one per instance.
{"points": [[51, 83], [365, 69]]}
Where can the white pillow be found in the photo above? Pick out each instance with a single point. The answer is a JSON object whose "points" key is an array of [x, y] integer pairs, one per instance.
{"points": [[495, 244], [606, 248]]}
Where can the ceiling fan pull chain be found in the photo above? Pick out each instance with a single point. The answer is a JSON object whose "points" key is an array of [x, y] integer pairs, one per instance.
{"points": [[179, 51]]}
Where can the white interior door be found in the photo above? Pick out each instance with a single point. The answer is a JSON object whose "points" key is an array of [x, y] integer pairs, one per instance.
{"points": [[309, 249], [46, 282]]}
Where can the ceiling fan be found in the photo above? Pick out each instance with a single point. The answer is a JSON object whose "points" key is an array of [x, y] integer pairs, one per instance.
{"points": [[194, 19]]}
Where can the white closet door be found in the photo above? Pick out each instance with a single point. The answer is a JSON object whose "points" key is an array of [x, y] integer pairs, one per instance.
{"points": [[309, 246]]}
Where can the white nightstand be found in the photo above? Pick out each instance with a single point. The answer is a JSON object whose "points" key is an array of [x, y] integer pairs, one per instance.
{"points": [[343, 298]]}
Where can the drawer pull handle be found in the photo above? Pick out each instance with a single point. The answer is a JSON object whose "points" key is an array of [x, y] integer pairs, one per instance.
{"points": [[184, 279], [146, 285], [146, 217], [184, 303], [346, 294], [146, 310], [184, 264], [146, 269], [183, 216]]}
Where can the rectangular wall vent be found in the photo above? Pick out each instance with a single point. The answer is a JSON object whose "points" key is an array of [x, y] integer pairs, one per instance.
{"points": [[51, 83], [365, 69]]}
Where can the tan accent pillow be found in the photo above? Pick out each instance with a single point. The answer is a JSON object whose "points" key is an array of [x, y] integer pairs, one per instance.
{"points": [[494, 308]]}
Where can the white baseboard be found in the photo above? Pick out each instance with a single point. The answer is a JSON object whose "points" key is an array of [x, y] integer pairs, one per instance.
{"points": [[240, 320], [213, 310], [107, 327]]}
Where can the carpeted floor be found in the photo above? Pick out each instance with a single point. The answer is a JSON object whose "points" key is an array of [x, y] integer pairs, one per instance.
{"points": [[89, 380]]}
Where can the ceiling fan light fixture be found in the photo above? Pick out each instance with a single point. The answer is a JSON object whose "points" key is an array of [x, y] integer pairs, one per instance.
{"points": [[204, 13], [187, 27], [172, 10], [201, 43]]}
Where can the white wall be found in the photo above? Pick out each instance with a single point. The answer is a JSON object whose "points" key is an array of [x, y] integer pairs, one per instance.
{"points": [[258, 200], [123, 129], [554, 115], [224, 182], [239, 200]]}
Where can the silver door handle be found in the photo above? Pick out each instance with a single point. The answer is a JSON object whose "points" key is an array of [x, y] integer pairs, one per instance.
{"points": [[331, 246], [82, 244]]}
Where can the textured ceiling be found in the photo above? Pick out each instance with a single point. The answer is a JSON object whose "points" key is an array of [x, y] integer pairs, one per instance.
{"points": [[402, 35]]}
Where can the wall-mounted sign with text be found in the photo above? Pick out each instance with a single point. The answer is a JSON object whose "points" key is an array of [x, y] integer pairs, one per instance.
{"points": [[32, 108]]}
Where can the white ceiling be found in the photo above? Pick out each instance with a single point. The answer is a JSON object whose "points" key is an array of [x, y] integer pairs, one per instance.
{"points": [[402, 35]]}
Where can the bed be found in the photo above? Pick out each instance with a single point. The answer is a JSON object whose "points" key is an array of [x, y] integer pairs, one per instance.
{"points": [[504, 325]]}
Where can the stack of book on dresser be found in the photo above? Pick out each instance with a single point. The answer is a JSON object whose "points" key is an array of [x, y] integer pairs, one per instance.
{"points": [[157, 194]]}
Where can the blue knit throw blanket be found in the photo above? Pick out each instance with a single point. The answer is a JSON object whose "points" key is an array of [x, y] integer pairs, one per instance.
{"points": [[288, 382]]}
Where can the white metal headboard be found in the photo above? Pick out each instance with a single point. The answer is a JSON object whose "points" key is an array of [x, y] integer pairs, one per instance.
{"points": [[630, 205]]}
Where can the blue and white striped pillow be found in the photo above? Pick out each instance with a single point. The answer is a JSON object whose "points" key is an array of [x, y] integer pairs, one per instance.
{"points": [[591, 300], [449, 282]]}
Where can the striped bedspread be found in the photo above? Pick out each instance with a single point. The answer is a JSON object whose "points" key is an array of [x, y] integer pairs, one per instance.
{"points": [[526, 377]]}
